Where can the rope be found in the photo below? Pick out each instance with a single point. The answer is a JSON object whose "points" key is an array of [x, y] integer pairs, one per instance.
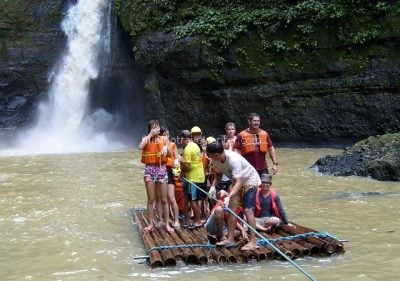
{"points": [[138, 209], [185, 246], [258, 234], [293, 237]]}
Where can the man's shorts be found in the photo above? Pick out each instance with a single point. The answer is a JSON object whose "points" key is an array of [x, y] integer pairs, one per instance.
{"points": [[155, 173], [246, 197], [192, 193], [274, 220]]}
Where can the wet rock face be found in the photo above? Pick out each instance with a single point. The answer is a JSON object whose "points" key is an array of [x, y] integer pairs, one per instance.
{"points": [[327, 101], [30, 42], [376, 157]]}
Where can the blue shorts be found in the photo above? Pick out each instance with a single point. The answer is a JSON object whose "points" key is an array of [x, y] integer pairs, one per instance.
{"points": [[246, 198], [249, 198], [192, 193]]}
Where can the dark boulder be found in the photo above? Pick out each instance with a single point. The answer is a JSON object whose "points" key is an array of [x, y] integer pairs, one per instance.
{"points": [[377, 157]]}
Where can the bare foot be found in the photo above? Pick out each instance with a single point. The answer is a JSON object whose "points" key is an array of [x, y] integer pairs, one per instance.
{"points": [[169, 229], [225, 242], [177, 225], [148, 229], [249, 246]]}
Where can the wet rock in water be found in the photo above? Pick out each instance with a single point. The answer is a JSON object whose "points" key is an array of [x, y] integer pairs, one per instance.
{"points": [[377, 157]]}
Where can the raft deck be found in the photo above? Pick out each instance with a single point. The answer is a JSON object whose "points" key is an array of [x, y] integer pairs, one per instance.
{"points": [[191, 246]]}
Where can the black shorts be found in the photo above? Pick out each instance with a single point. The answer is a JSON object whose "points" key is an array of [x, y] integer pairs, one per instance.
{"points": [[170, 177], [223, 185]]}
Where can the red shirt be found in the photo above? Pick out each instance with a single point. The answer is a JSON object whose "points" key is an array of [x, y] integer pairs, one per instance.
{"points": [[256, 158]]}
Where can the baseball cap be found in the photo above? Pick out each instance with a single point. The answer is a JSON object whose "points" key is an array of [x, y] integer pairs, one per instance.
{"points": [[195, 130], [210, 140], [266, 178]]}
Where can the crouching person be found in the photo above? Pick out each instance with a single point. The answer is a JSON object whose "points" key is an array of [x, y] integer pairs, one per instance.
{"points": [[269, 211], [216, 224]]}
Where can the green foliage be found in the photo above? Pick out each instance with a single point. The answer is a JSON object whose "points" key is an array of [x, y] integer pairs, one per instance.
{"points": [[283, 27], [117, 5]]}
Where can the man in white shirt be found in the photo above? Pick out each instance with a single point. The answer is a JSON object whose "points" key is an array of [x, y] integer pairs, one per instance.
{"points": [[243, 190]]}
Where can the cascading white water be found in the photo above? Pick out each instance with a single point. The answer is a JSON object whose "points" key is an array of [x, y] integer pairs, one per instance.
{"points": [[64, 123]]}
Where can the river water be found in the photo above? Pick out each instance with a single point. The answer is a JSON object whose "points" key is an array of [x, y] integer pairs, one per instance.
{"points": [[67, 217]]}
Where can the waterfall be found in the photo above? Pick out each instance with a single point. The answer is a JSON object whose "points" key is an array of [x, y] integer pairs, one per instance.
{"points": [[65, 123]]}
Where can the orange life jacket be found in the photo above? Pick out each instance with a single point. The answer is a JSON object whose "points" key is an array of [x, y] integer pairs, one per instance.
{"points": [[151, 153], [179, 196], [274, 206], [171, 158], [248, 144]]}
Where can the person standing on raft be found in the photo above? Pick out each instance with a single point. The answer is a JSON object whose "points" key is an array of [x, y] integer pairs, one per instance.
{"points": [[154, 155], [245, 181]]}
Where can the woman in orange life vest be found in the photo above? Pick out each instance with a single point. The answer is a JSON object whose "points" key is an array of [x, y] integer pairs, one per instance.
{"points": [[269, 211], [154, 155], [172, 162]]}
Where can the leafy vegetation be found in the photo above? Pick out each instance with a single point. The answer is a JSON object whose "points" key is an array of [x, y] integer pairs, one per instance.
{"points": [[280, 28]]}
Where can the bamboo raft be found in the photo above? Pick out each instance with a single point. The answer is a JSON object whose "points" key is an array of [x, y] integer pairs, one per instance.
{"points": [[192, 246]]}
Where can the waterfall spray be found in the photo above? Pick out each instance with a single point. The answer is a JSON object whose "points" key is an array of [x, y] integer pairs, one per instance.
{"points": [[64, 122]]}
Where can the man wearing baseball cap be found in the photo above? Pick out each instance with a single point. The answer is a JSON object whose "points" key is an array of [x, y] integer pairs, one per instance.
{"points": [[269, 211]]}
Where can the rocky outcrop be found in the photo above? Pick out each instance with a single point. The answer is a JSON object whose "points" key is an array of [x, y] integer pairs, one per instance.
{"points": [[31, 40], [376, 157], [335, 92], [324, 103]]}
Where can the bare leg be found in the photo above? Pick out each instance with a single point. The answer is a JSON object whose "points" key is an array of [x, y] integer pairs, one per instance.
{"points": [[219, 222], [173, 204], [252, 222], [150, 190], [165, 207], [231, 231], [158, 204], [196, 212]]}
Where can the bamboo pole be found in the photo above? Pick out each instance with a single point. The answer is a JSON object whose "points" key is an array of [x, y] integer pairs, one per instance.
{"points": [[167, 255], [260, 255], [297, 249], [331, 244], [322, 245], [249, 256], [230, 257], [306, 247], [239, 255], [285, 246], [200, 253], [204, 238], [155, 258], [269, 255], [166, 239], [218, 256], [188, 254], [215, 253]]}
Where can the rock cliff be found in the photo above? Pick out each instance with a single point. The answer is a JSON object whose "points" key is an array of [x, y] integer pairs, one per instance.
{"points": [[377, 157], [331, 92], [328, 93], [30, 43]]}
